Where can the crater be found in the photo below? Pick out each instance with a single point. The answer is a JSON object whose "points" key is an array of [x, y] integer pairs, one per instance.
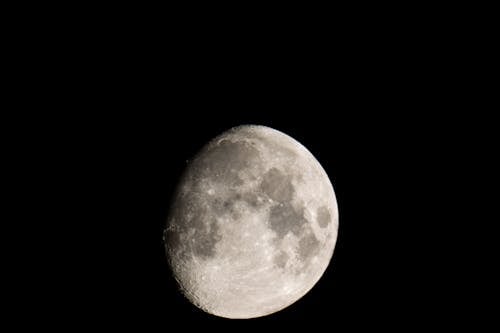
{"points": [[251, 199], [204, 240], [308, 245], [323, 216], [225, 206], [217, 205], [277, 186], [172, 239], [281, 259], [284, 218]]}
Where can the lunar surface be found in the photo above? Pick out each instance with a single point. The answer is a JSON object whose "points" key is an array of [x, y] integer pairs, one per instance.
{"points": [[253, 224]]}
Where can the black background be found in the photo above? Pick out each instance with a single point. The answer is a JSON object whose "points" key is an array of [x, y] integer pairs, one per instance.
{"points": [[379, 108]]}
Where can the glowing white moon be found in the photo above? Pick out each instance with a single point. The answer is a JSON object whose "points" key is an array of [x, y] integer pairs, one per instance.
{"points": [[253, 224]]}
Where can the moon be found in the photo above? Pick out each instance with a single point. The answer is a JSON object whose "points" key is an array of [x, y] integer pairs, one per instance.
{"points": [[253, 224]]}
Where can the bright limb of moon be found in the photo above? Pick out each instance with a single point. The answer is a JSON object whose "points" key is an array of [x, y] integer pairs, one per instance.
{"points": [[253, 224]]}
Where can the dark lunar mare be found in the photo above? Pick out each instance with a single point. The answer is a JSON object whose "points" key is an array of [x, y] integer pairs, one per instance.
{"points": [[284, 217], [324, 217]]}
